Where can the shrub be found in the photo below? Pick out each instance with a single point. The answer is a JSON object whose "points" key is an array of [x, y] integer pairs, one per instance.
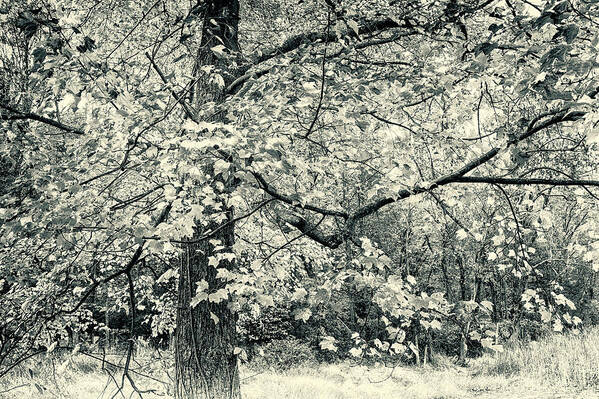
{"points": [[446, 341], [589, 312], [269, 324], [283, 354], [533, 330]]}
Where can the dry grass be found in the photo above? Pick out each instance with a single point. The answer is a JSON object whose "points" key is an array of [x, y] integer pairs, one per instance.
{"points": [[569, 360], [558, 367], [351, 382], [85, 377]]}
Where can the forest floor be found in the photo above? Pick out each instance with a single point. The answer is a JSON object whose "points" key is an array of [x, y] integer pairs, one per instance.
{"points": [[561, 367], [85, 380], [347, 382]]}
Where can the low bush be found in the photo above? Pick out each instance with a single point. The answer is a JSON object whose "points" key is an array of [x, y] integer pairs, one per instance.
{"points": [[282, 354]]}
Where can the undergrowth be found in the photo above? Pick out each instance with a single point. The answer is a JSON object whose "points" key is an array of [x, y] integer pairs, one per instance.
{"points": [[562, 365], [565, 359]]}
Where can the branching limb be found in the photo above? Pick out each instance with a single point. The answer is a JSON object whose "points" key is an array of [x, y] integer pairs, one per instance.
{"points": [[294, 42], [132, 262], [515, 216], [526, 182], [288, 200], [322, 83], [368, 28], [310, 230], [560, 116], [16, 114], [443, 207], [186, 107], [222, 226], [303, 233]]}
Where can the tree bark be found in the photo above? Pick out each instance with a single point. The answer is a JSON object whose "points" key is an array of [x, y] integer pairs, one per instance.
{"points": [[466, 329], [446, 280], [462, 270], [205, 336]]}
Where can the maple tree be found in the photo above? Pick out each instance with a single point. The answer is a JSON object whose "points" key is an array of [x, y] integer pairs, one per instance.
{"points": [[167, 133]]}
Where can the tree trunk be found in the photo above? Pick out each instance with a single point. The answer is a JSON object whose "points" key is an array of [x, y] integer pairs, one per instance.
{"points": [[417, 345], [446, 280], [460, 263], [495, 300], [205, 339], [466, 329], [205, 336]]}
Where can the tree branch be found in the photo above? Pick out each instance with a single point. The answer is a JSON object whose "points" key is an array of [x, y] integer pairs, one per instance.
{"points": [[367, 28], [16, 114], [322, 84], [212, 233], [288, 200], [559, 116], [310, 230], [524, 182], [127, 269], [294, 42], [186, 107]]}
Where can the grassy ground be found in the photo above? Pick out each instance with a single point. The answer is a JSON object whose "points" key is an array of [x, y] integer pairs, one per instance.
{"points": [[558, 367]]}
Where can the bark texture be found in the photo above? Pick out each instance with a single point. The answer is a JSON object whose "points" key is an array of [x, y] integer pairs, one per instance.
{"points": [[205, 338]]}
